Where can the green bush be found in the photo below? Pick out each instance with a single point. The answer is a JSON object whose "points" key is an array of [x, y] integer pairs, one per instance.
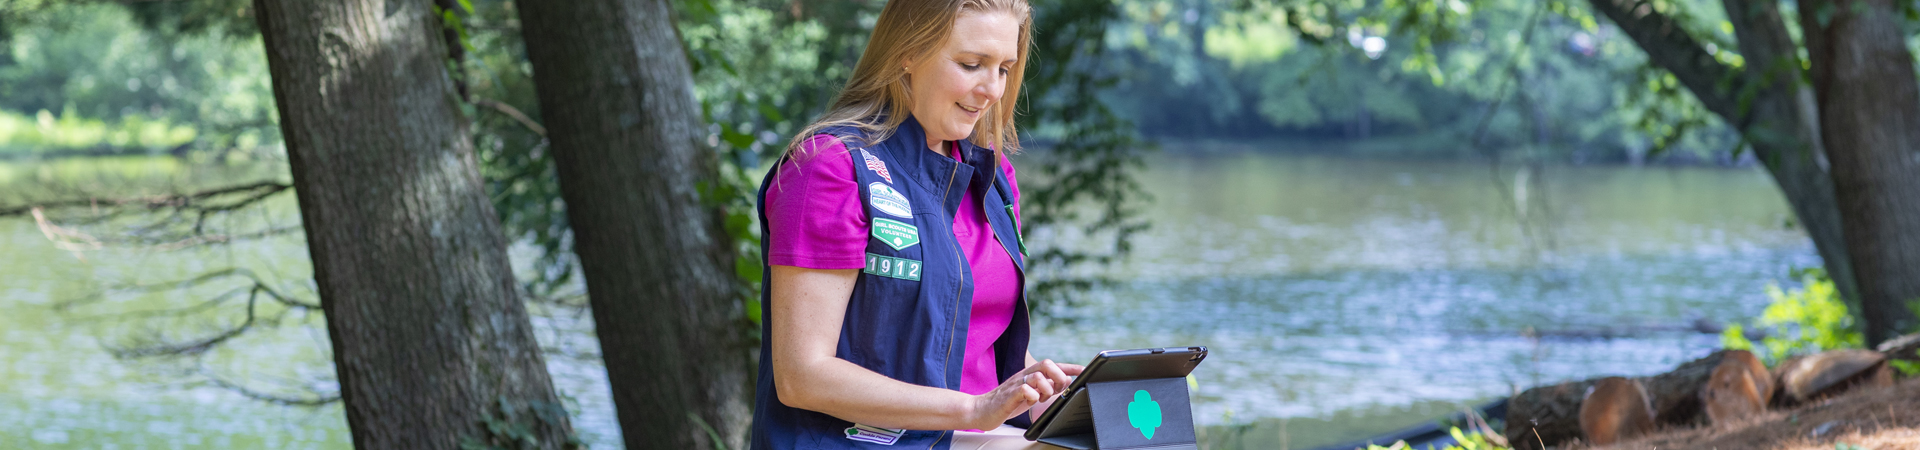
{"points": [[1462, 441], [1801, 321]]}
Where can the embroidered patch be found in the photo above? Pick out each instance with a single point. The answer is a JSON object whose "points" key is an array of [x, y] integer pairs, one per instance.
{"points": [[873, 434], [888, 200], [895, 233], [1017, 239], [876, 165], [891, 267]]}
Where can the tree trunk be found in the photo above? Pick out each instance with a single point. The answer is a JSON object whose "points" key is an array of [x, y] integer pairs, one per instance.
{"points": [[1869, 100], [1550, 415], [616, 92], [1782, 124], [430, 339], [1777, 122]]}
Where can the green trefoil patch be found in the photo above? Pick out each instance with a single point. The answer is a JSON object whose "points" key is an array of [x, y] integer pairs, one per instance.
{"points": [[896, 234]]}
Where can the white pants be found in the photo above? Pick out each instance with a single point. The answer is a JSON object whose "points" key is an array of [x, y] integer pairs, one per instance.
{"points": [[1007, 437]]}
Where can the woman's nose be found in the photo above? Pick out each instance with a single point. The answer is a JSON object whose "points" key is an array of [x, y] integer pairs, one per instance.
{"points": [[992, 89]]}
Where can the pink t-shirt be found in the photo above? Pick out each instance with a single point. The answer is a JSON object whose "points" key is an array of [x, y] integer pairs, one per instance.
{"points": [[816, 222]]}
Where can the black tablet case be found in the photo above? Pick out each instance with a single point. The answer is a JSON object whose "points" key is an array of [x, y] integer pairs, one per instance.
{"points": [[1095, 416]]}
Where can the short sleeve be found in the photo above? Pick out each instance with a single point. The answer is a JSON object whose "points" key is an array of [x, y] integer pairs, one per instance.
{"points": [[814, 217]]}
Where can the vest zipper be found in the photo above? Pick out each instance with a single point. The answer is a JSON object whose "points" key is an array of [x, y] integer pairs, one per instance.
{"points": [[959, 256]]}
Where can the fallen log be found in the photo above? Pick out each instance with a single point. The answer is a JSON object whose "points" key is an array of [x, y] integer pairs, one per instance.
{"points": [[1739, 388], [1550, 415], [1811, 377], [1616, 409], [1902, 348]]}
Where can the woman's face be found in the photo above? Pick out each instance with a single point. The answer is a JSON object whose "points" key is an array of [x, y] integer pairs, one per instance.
{"points": [[954, 86]]}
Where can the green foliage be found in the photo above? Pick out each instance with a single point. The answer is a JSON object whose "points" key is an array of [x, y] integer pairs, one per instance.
{"points": [[1462, 441], [1910, 365], [512, 426], [1907, 368], [1419, 73], [1802, 321], [117, 84], [44, 133], [1089, 156], [754, 104], [515, 160], [1472, 441]]}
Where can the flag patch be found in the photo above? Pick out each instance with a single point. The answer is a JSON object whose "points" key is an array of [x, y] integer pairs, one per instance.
{"points": [[876, 165]]}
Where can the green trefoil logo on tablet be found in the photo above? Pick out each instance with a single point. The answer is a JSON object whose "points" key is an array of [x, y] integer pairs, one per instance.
{"points": [[1143, 413]]}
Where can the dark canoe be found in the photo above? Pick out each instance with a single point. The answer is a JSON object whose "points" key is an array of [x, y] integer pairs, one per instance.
{"points": [[1433, 433]]}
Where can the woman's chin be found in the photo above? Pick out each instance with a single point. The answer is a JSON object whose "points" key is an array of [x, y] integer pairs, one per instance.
{"points": [[960, 132]]}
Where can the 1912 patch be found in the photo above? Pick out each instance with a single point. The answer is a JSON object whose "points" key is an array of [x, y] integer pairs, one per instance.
{"points": [[896, 234], [888, 200], [891, 267]]}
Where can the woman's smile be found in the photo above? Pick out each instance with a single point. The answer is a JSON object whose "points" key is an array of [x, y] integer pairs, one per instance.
{"points": [[973, 114]]}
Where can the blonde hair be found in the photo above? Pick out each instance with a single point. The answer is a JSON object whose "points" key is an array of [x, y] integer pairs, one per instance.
{"points": [[914, 29]]}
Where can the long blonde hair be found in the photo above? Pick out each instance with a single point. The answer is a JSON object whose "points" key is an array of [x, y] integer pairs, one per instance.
{"points": [[913, 29]]}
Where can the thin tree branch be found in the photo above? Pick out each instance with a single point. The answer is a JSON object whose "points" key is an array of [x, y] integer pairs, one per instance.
{"points": [[1669, 46], [160, 347], [513, 113], [260, 191], [318, 399]]}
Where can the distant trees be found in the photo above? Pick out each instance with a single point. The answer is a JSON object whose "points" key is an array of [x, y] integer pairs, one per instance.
{"points": [[643, 196], [430, 340]]}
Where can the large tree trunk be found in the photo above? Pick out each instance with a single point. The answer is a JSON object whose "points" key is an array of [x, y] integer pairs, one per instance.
{"points": [[1870, 109], [429, 336], [1778, 122], [616, 93]]}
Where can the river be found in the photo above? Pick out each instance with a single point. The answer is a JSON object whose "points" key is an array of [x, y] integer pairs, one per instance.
{"points": [[1339, 296]]}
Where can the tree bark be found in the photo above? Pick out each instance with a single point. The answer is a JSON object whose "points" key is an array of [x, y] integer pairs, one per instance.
{"points": [[1782, 125], [1869, 100], [1777, 121], [616, 92], [430, 338]]}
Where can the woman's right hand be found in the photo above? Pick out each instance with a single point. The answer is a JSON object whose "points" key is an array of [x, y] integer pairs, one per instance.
{"points": [[1037, 383]]}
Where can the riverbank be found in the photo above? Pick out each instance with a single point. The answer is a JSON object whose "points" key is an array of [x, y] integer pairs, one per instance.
{"points": [[1873, 418]]}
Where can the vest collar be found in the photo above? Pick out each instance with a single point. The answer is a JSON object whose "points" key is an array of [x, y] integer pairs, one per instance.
{"points": [[935, 173]]}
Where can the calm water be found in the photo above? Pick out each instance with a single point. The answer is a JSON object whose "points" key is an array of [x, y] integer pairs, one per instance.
{"points": [[1340, 297]]}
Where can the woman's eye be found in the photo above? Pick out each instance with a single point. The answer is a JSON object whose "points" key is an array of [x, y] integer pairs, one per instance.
{"points": [[971, 67], [1004, 71]]}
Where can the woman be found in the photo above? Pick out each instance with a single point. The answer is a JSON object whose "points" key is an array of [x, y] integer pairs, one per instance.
{"points": [[894, 308]]}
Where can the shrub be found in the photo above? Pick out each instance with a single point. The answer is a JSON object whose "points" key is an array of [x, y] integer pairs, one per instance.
{"points": [[1807, 320]]}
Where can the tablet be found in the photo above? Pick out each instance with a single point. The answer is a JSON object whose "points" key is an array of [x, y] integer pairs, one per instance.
{"points": [[1110, 365]]}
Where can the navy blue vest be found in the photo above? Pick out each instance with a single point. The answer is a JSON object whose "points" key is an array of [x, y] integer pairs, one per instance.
{"points": [[910, 308]]}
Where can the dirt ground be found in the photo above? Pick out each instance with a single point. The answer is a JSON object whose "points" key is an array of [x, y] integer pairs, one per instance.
{"points": [[1883, 418]]}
